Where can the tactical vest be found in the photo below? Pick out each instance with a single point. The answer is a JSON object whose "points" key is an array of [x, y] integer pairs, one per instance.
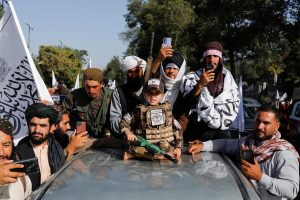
{"points": [[156, 123]]}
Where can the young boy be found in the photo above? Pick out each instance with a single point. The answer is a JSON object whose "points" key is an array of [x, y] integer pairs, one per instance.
{"points": [[154, 122]]}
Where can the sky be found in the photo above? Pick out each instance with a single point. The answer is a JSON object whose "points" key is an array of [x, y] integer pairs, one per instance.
{"points": [[92, 25]]}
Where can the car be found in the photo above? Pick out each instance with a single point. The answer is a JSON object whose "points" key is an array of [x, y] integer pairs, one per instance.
{"points": [[295, 115], [58, 99], [103, 174], [249, 119], [251, 104]]}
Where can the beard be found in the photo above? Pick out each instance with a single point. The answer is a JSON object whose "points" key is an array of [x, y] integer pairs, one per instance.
{"points": [[135, 84], [38, 140]]}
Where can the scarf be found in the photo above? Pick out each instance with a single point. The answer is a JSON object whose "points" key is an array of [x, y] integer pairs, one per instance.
{"points": [[219, 112], [172, 85], [265, 149], [55, 154], [96, 118]]}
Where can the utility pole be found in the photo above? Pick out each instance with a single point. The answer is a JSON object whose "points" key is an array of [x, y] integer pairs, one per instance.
{"points": [[29, 29], [61, 44]]}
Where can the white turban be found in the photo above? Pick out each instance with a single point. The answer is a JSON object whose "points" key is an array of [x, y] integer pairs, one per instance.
{"points": [[130, 62]]}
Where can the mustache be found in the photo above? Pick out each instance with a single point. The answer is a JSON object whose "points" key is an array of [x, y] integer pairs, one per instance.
{"points": [[36, 133], [5, 157]]}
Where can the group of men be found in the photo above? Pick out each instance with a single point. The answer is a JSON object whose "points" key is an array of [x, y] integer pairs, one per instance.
{"points": [[205, 102]]}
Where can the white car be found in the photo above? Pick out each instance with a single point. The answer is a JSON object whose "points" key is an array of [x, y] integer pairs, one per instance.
{"points": [[103, 174]]}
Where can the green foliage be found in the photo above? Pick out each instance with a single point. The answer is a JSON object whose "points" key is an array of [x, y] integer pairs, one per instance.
{"points": [[168, 18], [65, 62], [114, 72], [262, 35], [1, 9]]}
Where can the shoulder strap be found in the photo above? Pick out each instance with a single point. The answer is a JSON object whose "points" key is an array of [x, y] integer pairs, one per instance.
{"points": [[122, 100]]}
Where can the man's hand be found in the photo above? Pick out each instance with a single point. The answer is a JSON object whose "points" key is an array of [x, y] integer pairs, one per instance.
{"points": [[195, 147], [207, 77], [77, 141], [251, 171], [130, 136], [6, 176], [177, 153], [164, 52]]}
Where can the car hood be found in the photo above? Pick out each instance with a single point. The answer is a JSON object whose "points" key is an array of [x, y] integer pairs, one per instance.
{"points": [[102, 174]]}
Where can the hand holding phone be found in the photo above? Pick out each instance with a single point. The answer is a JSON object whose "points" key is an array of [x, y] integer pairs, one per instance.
{"points": [[248, 156], [30, 166], [80, 127], [209, 66]]}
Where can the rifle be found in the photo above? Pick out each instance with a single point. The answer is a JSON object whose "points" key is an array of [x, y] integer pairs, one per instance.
{"points": [[149, 61], [145, 143]]}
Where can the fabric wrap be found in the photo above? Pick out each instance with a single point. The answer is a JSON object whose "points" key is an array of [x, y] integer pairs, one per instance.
{"points": [[217, 112]]}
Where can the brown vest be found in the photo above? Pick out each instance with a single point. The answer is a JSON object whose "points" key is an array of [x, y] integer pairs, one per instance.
{"points": [[156, 123]]}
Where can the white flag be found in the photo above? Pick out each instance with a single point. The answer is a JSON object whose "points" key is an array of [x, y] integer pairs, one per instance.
{"points": [[76, 86], [277, 95], [21, 83], [54, 81]]}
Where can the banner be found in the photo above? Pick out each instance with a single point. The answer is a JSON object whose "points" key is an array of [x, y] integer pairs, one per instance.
{"points": [[21, 83]]}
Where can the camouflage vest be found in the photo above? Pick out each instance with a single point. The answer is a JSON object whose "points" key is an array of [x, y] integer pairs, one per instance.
{"points": [[156, 123]]}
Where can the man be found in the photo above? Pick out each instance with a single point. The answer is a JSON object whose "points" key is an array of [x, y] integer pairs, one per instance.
{"points": [[172, 68], [208, 99], [276, 167], [40, 143], [70, 144], [13, 185], [127, 96], [90, 103]]}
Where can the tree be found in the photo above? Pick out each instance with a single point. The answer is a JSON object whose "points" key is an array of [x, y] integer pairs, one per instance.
{"points": [[164, 17], [65, 62], [114, 72], [1, 9], [261, 34]]}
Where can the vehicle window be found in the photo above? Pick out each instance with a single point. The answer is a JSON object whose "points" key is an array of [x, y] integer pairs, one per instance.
{"points": [[247, 113]]}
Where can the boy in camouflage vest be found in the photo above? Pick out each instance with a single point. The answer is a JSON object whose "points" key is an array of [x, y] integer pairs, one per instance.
{"points": [[154, 122]]}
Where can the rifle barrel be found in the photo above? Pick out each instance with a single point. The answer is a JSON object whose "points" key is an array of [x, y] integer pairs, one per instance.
{"points": [[151, 45]]}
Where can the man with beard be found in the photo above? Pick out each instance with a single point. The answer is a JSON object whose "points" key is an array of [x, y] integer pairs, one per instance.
{"points": [[90, 103], [40, 142], [127, 96], [13, 185], [208, 98], [70, 144], [276, 162]]}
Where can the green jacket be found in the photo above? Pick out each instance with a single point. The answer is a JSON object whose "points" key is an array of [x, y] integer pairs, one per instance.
{"points": [[78, 104]]}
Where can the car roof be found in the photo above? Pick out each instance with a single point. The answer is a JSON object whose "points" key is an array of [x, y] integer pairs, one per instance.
{"points": [[97, 174]]}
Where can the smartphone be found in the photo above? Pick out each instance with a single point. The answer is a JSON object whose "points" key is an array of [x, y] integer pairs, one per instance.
{"points": [[31, 166], [80, 127], [209, 66], [248, 156], [167, 42]]}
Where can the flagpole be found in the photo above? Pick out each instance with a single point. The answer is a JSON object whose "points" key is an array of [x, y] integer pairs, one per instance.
{"points": [[29, 29]]}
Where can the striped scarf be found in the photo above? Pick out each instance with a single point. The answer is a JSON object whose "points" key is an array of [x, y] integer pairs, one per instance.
{"points": [[265, 149]]}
